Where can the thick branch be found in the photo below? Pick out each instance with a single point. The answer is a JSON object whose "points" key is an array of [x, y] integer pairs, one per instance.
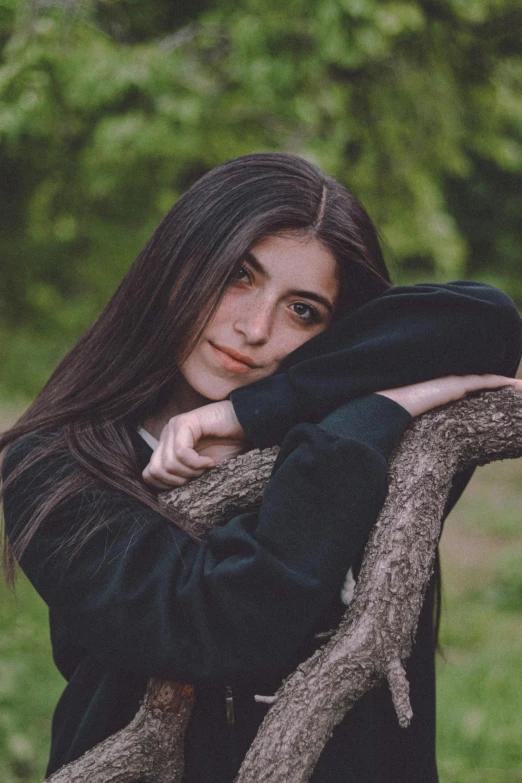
{"points": [[148, 750], [230, 488], [375, 635]]}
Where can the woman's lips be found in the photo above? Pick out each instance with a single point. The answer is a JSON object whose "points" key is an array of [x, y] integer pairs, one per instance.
{"points": [[229, 362]]}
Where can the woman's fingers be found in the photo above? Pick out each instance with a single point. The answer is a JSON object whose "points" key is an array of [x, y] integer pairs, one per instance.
{"points": [[190, 459], [175, 461], [174, 467], [167, 482], [477, 382], [455, 387], [169, 475]]}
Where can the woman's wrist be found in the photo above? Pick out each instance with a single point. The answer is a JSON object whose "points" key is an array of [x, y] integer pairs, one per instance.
{"points": [[373, 420]]}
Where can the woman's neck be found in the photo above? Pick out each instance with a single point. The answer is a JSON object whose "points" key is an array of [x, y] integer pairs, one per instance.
{"points": [[185, 399]]}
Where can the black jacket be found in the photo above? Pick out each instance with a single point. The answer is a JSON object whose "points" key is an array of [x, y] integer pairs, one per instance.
{"points": [[242, 608]]}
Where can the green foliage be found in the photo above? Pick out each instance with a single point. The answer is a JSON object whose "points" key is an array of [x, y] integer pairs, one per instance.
{"points": [[110, 109]]}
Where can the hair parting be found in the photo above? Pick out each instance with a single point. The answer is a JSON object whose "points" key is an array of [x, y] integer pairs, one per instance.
{"points": [[320, 212]]}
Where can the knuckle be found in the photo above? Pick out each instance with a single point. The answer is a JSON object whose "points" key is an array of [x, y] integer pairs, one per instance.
{"points": [[170, 462], [178, 422], [151, 469], [184, 453]]}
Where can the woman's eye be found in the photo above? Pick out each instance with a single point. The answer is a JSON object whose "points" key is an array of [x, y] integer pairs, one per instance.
{"points": [[306, 312], [241, 273]]}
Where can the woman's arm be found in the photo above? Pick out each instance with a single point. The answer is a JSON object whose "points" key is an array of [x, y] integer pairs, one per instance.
{"points": [[408, 335], [143, 596], [192, 442]]}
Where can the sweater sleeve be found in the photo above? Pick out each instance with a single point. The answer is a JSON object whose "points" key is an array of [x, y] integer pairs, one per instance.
{"points": [[407, 335], [143, 596]]}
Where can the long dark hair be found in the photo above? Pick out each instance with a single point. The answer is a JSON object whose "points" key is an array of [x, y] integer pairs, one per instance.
{"points": [[125, 367]]}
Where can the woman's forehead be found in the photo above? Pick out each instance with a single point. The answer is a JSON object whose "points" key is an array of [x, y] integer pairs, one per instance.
{"points": [[296, 261]]}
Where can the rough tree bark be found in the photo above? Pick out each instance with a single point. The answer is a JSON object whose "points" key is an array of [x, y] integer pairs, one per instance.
{"points": [[376, 633], [148, 750]]}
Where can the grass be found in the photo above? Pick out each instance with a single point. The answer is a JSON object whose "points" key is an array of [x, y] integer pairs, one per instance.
{"points": [[29, 685], [479, 678]]}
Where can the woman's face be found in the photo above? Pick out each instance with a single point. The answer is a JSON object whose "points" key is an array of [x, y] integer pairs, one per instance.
{"points": [[283, 293]]}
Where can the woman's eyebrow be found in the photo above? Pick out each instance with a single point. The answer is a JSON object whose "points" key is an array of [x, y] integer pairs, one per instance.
{"points": [[258, 266]]}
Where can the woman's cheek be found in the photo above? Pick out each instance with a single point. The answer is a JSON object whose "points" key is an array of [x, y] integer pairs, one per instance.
{"points": [[298, 339]]}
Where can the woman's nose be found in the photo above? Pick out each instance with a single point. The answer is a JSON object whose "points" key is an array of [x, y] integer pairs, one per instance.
{"points": [[254, 322]]}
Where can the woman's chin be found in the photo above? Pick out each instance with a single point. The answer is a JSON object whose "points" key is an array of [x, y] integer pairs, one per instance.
{"points": [[218, 392], [210, 386], [206, 390], [218, 389]]}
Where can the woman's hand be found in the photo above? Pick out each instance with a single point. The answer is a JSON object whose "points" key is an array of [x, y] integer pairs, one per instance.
{"points": [[194, 442], [421, 397]]}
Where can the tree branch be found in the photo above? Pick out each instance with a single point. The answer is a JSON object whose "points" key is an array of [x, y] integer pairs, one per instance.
{"points": [[148, 750], [376, 633]]}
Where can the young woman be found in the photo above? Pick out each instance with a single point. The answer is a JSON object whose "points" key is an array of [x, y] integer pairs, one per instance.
{"points": [[259, 313]]}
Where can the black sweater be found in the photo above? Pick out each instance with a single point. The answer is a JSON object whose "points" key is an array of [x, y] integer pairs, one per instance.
{"points": [[241, 609]]}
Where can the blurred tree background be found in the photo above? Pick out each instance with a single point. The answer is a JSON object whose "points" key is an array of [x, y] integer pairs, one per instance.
{"points": [[109, 109]]}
